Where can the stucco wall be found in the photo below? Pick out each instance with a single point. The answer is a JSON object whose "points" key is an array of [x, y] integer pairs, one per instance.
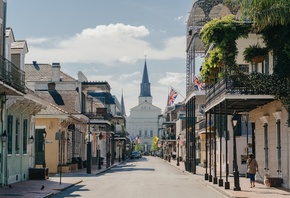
{"points": [[255, 116]]}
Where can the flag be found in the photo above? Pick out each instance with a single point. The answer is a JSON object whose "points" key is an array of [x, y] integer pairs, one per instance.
{"points": [[137, 140], [155, 140], [197, 83], [171, 97]]}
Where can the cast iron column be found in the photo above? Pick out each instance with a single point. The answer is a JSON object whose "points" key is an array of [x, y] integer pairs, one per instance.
{"points": [[206, 144]]}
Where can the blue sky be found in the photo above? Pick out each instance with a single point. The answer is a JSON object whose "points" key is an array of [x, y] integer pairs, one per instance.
{"points": [[108, 41]]}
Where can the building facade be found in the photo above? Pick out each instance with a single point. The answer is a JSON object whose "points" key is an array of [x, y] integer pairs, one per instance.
{"points": [[142, 121]]}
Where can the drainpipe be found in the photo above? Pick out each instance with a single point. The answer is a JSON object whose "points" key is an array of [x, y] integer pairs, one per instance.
{"points": [[4, 28], [3, 144]]}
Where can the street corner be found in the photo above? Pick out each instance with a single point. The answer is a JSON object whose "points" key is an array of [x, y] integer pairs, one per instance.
{"points": [[67, 185]]}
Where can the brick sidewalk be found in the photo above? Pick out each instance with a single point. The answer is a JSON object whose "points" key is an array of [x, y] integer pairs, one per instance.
{"points": [[259, 191], [53, 185]]}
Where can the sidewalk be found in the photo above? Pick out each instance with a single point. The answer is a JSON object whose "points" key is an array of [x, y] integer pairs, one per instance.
{"points": [[52, 186], [55, 184], [259, 191]]}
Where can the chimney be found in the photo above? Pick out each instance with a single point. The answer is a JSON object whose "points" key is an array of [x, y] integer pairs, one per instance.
{"points": [[51, 86], [55, 74]]}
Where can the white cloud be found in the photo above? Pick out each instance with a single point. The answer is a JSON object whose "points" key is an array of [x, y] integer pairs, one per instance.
{"points": [[105, 44], [179, 18], [126, 76], [171, 79], [33, 41]]}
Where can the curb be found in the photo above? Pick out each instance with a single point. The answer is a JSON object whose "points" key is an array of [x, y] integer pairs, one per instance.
{"points": [[62, 189], [216, 188], [106, 169]]}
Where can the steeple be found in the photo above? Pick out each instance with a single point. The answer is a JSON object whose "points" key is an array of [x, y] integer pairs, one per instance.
{"points": [[123, 112], [145, 93], [145, 85]]}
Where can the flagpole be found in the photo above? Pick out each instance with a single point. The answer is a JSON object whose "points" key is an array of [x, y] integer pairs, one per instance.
{"points": [[178, 92], [168, 96]]}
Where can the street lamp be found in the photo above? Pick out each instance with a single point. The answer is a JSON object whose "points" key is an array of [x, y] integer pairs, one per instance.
{"points": [[177, 161], [31, 139], [44, 136], [4, 136], [120, 145], [236, 171]]}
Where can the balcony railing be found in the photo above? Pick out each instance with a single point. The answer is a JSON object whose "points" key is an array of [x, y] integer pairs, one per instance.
{"points": [[232, 86], [98, 116], [168, 137], [12, 75]]}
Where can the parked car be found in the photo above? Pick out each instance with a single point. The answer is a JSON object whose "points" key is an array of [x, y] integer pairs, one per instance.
{"points": [[135, 154]]}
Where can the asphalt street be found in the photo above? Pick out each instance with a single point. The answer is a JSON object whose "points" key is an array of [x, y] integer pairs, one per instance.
{"points": [[141, 178]]}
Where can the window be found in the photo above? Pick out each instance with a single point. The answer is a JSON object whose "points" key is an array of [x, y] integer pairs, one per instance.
{"points": [[244, 68], [9, 131], [17, 136], [146, 133], [266, 147], [279, 154], [25, 136], [255, 67], [140, 133], [151, 133], [266, 65]]}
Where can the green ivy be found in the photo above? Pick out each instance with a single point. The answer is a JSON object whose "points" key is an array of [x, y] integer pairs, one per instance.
{"points": [[268, 84], [223, 34]]}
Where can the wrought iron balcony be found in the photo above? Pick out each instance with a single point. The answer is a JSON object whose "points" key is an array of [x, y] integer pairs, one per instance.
{"points": [[98, 116], [168, 137], [12, 75], [240, 93]]}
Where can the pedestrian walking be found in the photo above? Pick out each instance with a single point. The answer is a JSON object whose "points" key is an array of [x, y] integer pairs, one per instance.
{"points": [[252, 169]]}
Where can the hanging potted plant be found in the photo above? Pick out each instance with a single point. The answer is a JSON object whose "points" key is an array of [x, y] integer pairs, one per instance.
{"points": [[255, 53]]}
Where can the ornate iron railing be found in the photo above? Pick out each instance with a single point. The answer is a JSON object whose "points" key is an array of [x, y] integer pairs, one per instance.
{"points": [[12, 75], [233, 86]]}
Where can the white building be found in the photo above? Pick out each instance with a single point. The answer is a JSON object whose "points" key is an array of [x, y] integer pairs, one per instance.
{"points": [[142, 122]]}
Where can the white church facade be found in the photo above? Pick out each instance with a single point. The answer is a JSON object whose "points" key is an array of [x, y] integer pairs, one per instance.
{"points": [[143, 119]]}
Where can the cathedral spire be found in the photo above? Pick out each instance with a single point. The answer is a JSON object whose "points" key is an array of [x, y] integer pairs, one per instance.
{"points": [[145, 85], [123, 112]]}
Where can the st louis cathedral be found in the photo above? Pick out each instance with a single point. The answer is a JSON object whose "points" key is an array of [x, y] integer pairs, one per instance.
{"points": [[142, 122]]}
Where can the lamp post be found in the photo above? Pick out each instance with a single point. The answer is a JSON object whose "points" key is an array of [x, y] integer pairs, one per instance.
{"points": [[177, 161], [99, 152], [4, 161], [31, 140], [44, 136], [119, 146], [89, 154], [235, 164]]}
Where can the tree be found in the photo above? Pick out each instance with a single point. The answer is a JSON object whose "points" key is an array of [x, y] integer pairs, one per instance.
{"points": [[138, 147], [154, 146], [265, 13], [271, 18]]}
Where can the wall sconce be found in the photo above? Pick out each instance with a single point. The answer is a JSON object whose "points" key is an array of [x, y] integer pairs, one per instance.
{"points": [[4, 136], [31, 139], [44, 134]]}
